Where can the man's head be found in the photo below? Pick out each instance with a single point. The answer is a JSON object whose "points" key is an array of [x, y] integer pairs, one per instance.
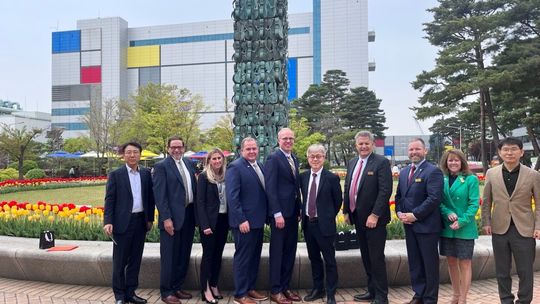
{"points": [[316, 156], [510, 150], [175, 147], [417, 150], [249, 149], [365, 143], [286, 139], [131, 153]]}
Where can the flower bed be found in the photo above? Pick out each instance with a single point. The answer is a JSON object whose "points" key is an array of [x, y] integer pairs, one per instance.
{"points": [[11, 186]]}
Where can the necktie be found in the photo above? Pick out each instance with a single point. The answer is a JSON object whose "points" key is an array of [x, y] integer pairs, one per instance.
{"points": [[259, 173], [291, 163], [312, 197], [184, 180], [354, 187], [411, 173]]}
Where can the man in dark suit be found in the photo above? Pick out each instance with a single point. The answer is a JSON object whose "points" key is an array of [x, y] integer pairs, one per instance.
{"points": [[418, 197], [247, 205], [321, 194], [174, 191], [283, 189], [368, 186], [128, 215]]}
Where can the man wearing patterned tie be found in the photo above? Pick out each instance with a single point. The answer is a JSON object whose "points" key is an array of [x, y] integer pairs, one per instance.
{"points": [[418, 197], [174, 192], [283, 191], [247, 205], [368, 186], [321, 195]]}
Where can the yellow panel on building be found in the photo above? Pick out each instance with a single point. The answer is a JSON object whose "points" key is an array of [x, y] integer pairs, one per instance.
{"points": [[143, 56]]}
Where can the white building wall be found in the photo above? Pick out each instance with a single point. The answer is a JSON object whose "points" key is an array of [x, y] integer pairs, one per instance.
{"points": [[66, 69], [91, 58]]}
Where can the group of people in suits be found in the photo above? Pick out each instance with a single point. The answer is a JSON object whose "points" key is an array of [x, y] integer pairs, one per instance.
{"points": [[437, 206]]}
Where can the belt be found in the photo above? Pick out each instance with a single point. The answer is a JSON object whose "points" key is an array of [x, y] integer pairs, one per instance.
{"points": [[137, 214]]}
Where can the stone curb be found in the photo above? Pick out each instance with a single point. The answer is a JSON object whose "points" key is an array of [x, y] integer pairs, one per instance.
{"points": [[91, 264]]}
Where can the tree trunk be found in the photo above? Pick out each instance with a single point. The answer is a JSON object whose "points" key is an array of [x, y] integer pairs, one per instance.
{"points": [[536, 148], [483, 137], [491, 116]]}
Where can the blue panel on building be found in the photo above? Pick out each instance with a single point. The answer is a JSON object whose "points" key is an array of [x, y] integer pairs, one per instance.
{"points": [[292, 75], [65, 42], [388, 150], [71, 126], [69, 111], [317, 56]]}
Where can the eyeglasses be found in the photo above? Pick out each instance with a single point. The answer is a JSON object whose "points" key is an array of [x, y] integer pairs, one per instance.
{"points": [[512, 149], [317, 156], [132, 152], [287, 138], [176, 147]]}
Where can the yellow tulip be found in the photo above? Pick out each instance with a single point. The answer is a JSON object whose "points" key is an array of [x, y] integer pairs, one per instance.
{"points": [[55, 209], [65, 209], [28, 207], [89, 211], [51, 218], [6, 208], [41, 207], [46, 212], [35, 207], [48, 208], [86, 220]]}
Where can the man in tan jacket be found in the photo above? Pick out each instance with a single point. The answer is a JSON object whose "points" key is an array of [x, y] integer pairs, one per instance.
{"points": [[507, 214]]}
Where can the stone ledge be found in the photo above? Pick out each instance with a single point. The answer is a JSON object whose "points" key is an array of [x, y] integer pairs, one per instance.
{"points": [[91, 264]]}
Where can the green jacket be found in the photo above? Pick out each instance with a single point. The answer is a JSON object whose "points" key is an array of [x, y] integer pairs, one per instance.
{"points": [[463, 200]]}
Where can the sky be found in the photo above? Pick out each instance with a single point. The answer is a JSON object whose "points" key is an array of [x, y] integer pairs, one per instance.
{"points": [[399, 50]]}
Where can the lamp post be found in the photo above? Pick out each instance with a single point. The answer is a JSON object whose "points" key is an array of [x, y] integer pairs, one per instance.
{"points": [[457, 128]]}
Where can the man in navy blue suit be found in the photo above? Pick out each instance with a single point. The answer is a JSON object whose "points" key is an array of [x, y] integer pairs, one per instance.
{"points": [[283, 191], [418, 197], [128, 215], [247, 205], [174, 191]]}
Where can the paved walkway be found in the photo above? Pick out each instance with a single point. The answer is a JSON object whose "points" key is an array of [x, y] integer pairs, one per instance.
{"points": [[24, 292]]}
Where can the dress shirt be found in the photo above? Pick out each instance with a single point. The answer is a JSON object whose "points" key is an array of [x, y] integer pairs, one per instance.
{"points": [[135, 185], [318, 181], [181, 166], [222, 197]]}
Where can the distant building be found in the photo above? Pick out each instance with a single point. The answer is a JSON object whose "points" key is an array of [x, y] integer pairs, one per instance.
{"points": [[104, 58], [11, 114]]}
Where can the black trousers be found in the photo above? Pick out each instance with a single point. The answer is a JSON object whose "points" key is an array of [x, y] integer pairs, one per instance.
{"points": [[523, 249], [372, 242], [318, 244], [213, 245], [282, 254], [127, 257]]}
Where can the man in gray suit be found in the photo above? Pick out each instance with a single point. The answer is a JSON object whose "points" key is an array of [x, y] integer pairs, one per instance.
{"points": [[507, 215]]}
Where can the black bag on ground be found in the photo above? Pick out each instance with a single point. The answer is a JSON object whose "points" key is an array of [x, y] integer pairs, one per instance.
{"points": [[46, 239]]}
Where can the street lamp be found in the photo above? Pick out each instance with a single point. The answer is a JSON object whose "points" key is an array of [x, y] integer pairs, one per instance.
{"points": [[457, 128]]}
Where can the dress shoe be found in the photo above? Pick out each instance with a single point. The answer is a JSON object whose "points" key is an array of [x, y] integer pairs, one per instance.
{"points": [[315, 294], [182, 295], [120, 302], [216, 295], [330, 300], [203, 297], [171, 299], [136, 299], [244, 300], [279, 298], [367, 296], [416, 301], [292, 296], [257, 296]]}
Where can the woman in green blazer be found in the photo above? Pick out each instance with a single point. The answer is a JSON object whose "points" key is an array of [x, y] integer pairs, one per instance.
{"points": [[458, 208]]}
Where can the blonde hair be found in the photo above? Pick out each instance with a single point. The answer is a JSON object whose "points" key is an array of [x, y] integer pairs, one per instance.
{"points": [[212, 176]]}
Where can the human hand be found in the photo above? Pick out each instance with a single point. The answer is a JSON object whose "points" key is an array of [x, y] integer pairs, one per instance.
{"points": [[169, 226], [280, 222], [454, 225], [452, 217], [207, 231], [108, 229], [487, 230], [372, 220], [244, 227]]}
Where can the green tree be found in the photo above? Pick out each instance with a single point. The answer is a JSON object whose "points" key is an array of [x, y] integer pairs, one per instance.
{"points": [[303, 136], [221, 135], [361, 110], [18, 143], [75, 144]]}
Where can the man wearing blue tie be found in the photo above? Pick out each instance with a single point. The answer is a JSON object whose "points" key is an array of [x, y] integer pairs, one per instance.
{"points": [[247, 205], [419, 194]]}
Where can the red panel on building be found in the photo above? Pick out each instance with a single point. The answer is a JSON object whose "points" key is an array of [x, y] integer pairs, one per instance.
{"points": [[91, 74], [379, 142]]}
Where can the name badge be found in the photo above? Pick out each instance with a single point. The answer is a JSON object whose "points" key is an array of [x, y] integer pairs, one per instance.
{"points": [[418, 180], [370, 173]]}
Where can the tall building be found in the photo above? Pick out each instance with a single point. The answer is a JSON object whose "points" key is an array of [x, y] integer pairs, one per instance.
{"points": [[104, 58]]}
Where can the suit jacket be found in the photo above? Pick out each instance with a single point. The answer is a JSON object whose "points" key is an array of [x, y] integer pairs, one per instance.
{"points": [[422, 197], [374, 190], [282, 186], [246, 197], [119, 199], [169, 191], [207, 203], [462, 199], [498, 207], [328, 200]]}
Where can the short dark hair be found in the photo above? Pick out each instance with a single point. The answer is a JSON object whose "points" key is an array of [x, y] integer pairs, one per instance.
{"points": [[131, 143], [510, 141], [418, 139], [174, 138]]}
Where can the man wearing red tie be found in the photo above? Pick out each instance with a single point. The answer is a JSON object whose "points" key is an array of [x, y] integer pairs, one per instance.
{"points": [[368, 186]]}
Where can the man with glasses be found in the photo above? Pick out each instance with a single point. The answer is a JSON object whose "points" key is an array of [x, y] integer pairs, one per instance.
{"points": [[128, 216], [321, 195], [174, 191], [283, 191], [508, 216]]}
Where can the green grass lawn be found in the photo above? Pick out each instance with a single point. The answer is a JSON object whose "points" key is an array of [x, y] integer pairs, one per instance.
{"points": [[80, 195]]}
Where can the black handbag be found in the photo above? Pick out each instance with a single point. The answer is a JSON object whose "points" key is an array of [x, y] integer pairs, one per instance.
{"points": [[46, 239]]}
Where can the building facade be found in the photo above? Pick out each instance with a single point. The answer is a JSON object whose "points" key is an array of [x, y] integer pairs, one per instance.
{"points": [[104, 58]]}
